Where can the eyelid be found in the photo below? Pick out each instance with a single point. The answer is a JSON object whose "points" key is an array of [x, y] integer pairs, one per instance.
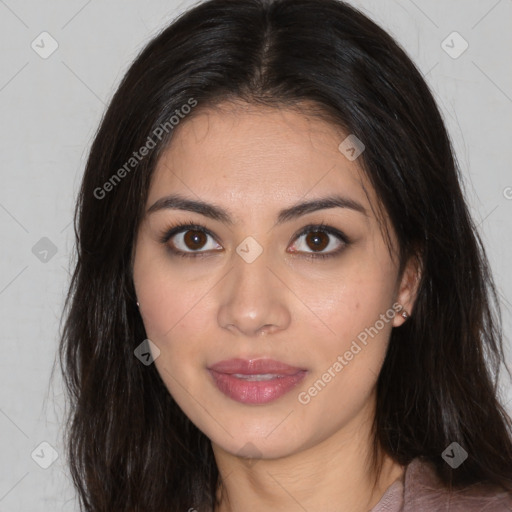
{"points": [[182, 227], [323, 228], [174, 229]]}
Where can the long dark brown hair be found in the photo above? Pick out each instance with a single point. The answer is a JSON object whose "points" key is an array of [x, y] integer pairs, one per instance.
{"points": [[130, 446]]}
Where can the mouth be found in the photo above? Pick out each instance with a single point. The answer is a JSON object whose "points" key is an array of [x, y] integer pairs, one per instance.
{"points": [[256, 381], [257, 377]]}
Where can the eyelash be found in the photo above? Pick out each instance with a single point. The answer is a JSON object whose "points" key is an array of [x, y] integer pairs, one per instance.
{"points": [[175, 229]]}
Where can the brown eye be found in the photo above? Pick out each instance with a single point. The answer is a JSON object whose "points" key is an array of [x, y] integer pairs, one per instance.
{"points": [[317, 240], [190, 240], [194, 239]]}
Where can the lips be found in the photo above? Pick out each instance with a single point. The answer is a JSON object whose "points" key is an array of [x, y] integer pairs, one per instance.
{"points": [[254, 367], [256, 381]]}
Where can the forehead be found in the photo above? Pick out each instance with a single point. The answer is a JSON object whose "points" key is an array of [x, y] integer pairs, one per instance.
{"points": [[257, 156]]}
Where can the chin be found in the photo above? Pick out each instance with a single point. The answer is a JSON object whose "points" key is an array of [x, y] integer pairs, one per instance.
{"points": [[259, 445]]}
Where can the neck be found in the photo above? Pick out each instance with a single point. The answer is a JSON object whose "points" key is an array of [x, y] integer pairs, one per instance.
{"points": [[334, 475]]}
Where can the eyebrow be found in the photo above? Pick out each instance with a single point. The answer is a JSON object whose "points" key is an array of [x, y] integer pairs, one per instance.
{"points": [[178, 202]]}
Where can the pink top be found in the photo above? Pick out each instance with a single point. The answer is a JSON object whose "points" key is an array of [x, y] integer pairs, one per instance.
{"points": [[420, 490]]}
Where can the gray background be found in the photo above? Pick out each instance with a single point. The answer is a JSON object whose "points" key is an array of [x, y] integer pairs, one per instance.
{"points": [[50, 108]]}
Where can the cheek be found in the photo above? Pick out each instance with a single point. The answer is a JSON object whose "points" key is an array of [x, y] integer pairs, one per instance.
{"points": [[346, 361], [350, 302], [351, 340], [173, 310], [174, 321], [165, 295]]}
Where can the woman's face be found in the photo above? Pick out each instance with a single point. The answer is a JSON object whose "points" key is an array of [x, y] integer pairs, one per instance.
{"points": [[255, 290]]}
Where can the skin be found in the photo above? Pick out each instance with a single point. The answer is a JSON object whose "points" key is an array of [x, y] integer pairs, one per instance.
{"points": [[253, 161]]}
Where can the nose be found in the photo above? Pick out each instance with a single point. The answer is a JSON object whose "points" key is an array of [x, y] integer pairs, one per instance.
{"points": [[253, 299]]}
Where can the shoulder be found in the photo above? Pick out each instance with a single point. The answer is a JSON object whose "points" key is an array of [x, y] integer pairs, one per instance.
{"points": [[424, 491]]}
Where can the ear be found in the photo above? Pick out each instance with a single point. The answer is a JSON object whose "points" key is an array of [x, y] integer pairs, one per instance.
{"points": [[408, 288]]}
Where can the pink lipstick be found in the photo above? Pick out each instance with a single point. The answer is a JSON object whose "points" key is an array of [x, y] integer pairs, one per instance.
{"points": [[255, 381]]}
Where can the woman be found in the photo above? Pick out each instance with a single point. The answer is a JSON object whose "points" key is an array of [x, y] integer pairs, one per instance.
{"points": [[280, 299]]}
